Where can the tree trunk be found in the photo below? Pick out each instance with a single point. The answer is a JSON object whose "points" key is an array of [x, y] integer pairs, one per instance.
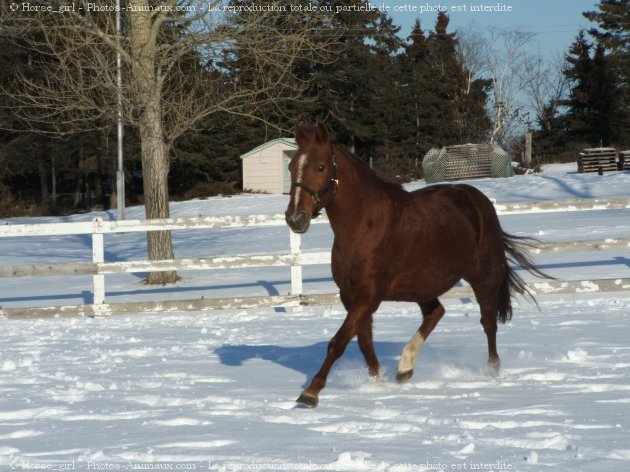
{"points": [[99, 197], [78, 188], [113, 200], [154, 149], [155, 177], [43, 178], [53, 179]]}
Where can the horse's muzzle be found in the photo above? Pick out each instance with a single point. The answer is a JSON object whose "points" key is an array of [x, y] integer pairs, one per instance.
{"points": [[298, 221]]}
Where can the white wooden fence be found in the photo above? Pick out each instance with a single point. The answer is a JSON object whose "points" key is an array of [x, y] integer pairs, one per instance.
{"points": [[295, 259]]}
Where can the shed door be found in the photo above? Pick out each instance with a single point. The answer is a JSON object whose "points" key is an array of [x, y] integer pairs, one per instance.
{"points": [[286, 175]]}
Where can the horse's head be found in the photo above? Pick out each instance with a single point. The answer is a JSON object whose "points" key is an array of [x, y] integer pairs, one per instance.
{"points": [[313, 176]]}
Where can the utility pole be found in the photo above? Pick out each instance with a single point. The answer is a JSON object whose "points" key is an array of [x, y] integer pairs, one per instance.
{"points": [[120, 174]]}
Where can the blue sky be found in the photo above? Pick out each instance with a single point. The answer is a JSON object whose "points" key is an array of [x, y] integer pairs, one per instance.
{"points": [[555, 22]]}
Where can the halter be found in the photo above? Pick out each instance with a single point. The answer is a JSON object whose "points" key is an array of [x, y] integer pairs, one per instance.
{"points": [[333, 183]]}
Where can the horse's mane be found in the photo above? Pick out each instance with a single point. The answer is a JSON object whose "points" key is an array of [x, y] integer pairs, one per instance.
{"points": [[368, 173]]}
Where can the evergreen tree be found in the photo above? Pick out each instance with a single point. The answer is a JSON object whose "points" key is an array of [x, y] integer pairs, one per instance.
{"points": [[443, 85], [385, 99], [551, 138], [606, 112], [594, 113], [444, 106], [613, 18], [578, 71], [414, 68], [384, 117], [345, 88]]}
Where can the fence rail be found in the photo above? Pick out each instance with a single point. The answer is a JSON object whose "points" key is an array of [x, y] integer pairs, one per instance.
{"points": [[295, 259]]}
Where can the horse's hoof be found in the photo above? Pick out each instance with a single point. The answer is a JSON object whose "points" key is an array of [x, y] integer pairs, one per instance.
{"points": [[494, 366], [402, 377], [377, 375], [308, 400]]}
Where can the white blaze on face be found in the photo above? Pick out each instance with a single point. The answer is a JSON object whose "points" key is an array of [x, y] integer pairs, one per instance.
{"points": [[298, 180]]}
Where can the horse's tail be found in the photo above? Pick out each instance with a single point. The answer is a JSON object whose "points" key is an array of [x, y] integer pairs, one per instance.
{"points": [[516, 251]]}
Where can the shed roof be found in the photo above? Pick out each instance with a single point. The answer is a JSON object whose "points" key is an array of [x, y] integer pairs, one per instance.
{"points": [[289, 142]]}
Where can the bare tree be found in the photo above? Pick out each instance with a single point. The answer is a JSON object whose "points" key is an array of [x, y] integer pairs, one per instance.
{"points": [[171, 53], [504, 61], [545, 86], [471, 44]]}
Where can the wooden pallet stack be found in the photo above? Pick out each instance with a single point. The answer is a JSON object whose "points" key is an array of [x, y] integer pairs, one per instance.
{"points": [[597, 160], [624, 160], [468, 161]]}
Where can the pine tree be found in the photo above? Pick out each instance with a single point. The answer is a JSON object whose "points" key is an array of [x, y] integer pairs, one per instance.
{"points": [[606, 112], [613, 18], [578, 71], [443, 84], [415, 70], [594, 113], [384, 87], [446, 108], [346, 89]]}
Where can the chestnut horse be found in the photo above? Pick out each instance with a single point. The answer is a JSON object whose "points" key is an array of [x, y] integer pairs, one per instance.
{"points": [[395, 245]]}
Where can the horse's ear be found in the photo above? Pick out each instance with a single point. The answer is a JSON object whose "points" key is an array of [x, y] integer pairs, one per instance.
{"points": [[321, 133], [301, 134]]}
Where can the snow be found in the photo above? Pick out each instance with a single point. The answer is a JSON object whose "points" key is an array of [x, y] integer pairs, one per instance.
{"points": [[216, 390]]}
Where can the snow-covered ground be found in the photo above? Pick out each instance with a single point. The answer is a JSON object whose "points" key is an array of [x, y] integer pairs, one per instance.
{"points": [[216, 390]]}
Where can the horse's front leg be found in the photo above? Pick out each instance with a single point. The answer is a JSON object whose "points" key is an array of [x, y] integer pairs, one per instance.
{"points": [[353, 323], [364, 336]]}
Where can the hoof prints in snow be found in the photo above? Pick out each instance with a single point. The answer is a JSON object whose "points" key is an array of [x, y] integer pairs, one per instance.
{"points": [[81, 394]]}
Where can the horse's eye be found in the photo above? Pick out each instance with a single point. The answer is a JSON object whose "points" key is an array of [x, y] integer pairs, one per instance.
{"points": [[321, 168]]}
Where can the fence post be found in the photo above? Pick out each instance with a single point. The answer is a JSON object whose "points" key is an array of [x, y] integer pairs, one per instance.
{"points": [[296, 268], [528, 148], [98, 255]]}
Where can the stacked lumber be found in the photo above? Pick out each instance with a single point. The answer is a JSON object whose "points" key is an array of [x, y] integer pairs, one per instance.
{"points": [[597, 160], [624, 160]]}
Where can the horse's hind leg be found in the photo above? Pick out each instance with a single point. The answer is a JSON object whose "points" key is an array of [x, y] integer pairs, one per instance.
{"points": [[488, 304], [432, 313]]}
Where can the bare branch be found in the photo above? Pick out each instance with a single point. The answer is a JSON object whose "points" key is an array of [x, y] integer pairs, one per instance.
{"points": [[71, 84], [503, 66], [545, 86], [175, 75]]}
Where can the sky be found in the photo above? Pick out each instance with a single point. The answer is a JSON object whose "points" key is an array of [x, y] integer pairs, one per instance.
{"points": [[555, 22]]}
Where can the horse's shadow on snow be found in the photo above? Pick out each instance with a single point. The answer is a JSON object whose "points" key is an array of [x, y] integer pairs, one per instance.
{"points": [[308, 359]]}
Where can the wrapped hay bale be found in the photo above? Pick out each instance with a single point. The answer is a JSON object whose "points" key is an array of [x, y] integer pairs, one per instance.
{"points": [[467, 161]]}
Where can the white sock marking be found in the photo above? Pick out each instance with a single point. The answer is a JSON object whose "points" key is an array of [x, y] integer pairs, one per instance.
{"points": [[410, 353]]}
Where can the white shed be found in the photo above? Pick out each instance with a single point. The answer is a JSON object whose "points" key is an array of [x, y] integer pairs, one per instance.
{"points": [[266, 168]]}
